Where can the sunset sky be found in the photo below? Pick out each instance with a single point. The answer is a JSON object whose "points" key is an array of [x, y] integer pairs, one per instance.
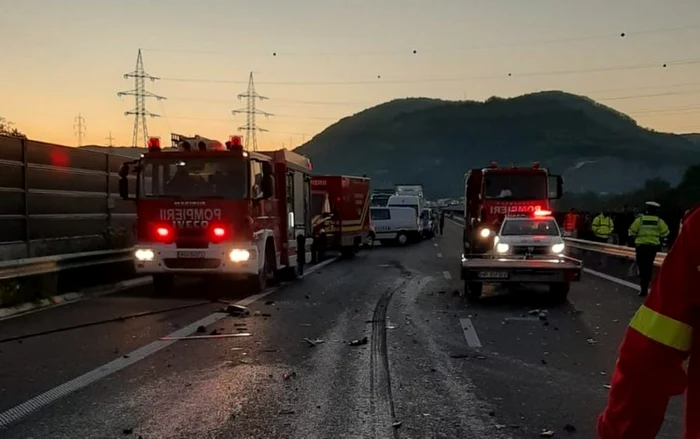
{"points": [[334, 58]]}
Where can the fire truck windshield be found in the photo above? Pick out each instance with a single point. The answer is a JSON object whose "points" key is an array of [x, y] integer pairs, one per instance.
{"points": [[215, 177], [512, 186]]}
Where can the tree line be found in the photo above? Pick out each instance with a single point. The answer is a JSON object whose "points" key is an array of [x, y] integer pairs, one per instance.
{"points": [[8, 128]]}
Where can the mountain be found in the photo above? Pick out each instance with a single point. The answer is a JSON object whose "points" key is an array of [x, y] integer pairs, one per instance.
{"points": [[434, 142], [693, 137]]}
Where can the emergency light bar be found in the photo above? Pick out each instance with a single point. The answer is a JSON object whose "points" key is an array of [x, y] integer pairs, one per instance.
{"points": [[153, 144]]}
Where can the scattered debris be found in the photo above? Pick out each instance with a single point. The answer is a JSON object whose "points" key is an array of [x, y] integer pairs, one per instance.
{"points": [[591, 340], [397, 424], [547, 433], [201, 329], [569, 428], [214, 332], [289, 375], [480, 357], [127, 431], [616, 321], [500, 426], [492, 413], [266, 314], [237, 310], [305, 324], [534, 312], [442, 292], [543, 361], [201, 337], [240, 324], [607, 386], [542, 315], [459, 356], [287, 412], [269, 350], [313, 343], [361, 342], [270, 302], [307, 296]]}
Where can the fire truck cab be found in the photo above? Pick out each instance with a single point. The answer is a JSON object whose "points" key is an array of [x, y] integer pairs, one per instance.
{"points": [[206, 208], [492, 193]]}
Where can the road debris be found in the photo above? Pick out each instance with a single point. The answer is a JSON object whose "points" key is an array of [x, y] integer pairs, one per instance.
{"points": [[270, 302], [237, 310], [459, 356], [305, 324], [607, 386], [569, 428], [287, 412], [547, 433], [201, 329], [591, 341], [360, 342], [289, 375], [313, 343], [542, 315], [397, 424]]}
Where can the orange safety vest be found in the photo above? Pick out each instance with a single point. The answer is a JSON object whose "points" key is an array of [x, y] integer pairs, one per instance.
{"points": [[570, 222], [649, 369]]}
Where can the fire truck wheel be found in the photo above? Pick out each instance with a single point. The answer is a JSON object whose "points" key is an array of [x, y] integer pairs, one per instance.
{"points": [[163, 283], [473, 290], [402, 238]]}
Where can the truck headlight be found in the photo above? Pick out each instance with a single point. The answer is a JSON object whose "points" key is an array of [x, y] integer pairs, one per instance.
{"points": [[502, 247], [485, 233], [558, 248], [238, 255], [144, 254]]}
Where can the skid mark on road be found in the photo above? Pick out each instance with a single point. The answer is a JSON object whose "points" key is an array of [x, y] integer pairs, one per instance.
{"points": [[18, 412]]}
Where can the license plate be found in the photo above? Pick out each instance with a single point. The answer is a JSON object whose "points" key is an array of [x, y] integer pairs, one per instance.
{"points": [[493, 275], [191, 254]]}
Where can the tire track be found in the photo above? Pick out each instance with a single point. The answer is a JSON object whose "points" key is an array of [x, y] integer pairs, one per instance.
{"points": [[381, 397]]}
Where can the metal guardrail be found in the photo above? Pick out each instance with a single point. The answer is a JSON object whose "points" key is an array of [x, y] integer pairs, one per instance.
{"points": [[52, 264], [600, 247], [610, 249]]}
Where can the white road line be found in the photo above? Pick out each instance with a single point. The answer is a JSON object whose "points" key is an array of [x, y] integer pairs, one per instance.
{"points": [[622, 282], [439, 255], [447, 275], [18, 412], [470, 333]]}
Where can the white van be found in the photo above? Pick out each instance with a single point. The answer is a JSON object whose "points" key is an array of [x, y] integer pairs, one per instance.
{"points": [[414, 202], [394, 224]]}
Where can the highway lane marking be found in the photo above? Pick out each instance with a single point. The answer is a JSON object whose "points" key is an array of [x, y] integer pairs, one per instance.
{"points": [[447, 275], [470, 333], [439, 255], [26, 408], [618, 281]]}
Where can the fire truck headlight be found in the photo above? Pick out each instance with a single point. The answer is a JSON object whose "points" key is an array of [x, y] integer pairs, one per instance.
{"points": [[485, 233], [502, 247], [238, 255], [558, 248], [144, 254]]}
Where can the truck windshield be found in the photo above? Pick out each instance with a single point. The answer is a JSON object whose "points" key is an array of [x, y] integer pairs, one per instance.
{"points": [[503, 186], [220, 177], [532, 227]]}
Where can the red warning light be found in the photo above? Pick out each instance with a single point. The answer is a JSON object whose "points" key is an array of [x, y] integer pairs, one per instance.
{"points": [[163, 232], [219, 232], [541, 213], [154, 144], [235, 142]]}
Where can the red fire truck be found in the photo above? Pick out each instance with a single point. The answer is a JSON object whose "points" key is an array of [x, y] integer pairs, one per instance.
{"points": [[492, 193], [340, 211], [205, 208]]}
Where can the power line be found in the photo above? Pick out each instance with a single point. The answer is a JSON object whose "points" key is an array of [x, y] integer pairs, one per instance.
{"points": [[110, 140], [381, 81], [417, 50], [250, 111], [80, 128], [140, 94]]}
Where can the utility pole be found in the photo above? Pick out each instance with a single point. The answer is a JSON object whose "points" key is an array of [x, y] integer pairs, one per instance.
{"points": [[110, 140], [251, 141], [140, 94], [80, 127]]}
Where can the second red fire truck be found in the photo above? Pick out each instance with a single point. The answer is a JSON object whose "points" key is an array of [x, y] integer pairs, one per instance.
{"points": [[340, 211], [205, 208]]}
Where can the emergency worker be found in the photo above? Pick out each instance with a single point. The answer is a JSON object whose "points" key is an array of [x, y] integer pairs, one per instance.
{"points": [[647, 231], [571, 223], [602, 227], [442, 221], [649, 368]]}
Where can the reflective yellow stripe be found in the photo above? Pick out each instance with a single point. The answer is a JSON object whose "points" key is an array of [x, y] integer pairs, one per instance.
{"points": [[665, 330]]}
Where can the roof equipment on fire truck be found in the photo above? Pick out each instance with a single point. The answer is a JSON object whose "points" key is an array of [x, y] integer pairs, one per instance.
{"points": [[154, 144]]}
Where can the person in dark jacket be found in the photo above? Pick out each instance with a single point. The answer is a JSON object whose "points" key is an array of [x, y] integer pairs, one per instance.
{"points": [[442, 221]]}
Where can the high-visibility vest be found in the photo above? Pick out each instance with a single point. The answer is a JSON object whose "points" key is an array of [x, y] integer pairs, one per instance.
{"points": [[570, 222], [648, 230], [602, 226], [650, 366]]}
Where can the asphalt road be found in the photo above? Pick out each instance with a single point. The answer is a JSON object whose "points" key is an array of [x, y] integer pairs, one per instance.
{"points": [[433, 366]]}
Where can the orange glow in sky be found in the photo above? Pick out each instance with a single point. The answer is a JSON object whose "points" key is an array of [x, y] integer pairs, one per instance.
{"points": [[319, 61]]}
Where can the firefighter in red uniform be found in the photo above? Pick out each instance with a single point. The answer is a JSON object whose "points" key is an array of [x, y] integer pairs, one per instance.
{"points": [[571, 223], [649, 368]]}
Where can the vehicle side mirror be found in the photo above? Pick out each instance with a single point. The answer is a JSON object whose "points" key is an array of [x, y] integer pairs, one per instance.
{"points": [[557, 182], [268, 185], [124, 188], [123, 181]]}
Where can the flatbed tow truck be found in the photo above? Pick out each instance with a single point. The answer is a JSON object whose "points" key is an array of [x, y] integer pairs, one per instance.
{"points": [[528, 248]]}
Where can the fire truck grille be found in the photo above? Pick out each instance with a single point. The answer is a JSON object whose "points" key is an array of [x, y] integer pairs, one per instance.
{"points": [[192, 243], [531, 250], [193, 264]]}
